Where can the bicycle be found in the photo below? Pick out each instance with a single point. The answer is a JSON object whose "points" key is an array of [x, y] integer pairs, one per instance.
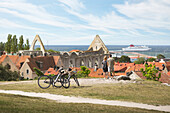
{"points": [[67, 76], [59, 80], [45, 81]]}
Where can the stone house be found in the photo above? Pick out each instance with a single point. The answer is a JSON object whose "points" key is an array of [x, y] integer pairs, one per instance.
{"points": [[13, 62], [41, 62]]}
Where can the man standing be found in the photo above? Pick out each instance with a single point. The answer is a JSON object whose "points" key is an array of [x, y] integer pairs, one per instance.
{"points": [[111, 65]]}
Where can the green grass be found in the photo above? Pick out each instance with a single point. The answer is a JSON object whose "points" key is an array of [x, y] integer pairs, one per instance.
{"points": [[148, 92], [22, 104]]}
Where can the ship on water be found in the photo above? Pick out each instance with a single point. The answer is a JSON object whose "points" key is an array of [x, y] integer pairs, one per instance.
{"points": [[136, 48]]}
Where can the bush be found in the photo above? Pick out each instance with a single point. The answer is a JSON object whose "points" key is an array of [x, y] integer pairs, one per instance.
{"points": [[123, 58], [151, 59], [84, 72], [52, 51], [7, 75], [150, 72], [140, 60], [38, 72], [160, 56]]}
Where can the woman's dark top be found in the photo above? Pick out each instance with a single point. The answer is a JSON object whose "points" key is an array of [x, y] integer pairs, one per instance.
{"points": [[105, 68]]}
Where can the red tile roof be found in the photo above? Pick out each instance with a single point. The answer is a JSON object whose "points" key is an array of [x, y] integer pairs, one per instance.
{"points": [[56, 60], [46, 61], [2, 58], [135, 67], [51, 71], [168, 73], [14, 58], [97, 74], [74, 51], [21, 59]]}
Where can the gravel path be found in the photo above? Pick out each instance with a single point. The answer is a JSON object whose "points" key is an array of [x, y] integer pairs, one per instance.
{"points": [[68, 99]]}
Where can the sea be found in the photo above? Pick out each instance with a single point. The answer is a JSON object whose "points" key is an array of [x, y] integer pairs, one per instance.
{"points": [[156, 49]]}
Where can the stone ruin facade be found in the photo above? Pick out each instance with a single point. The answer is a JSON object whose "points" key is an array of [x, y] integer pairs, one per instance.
{"points": [[94, 55]]}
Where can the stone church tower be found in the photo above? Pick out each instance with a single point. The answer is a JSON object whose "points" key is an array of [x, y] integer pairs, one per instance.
{"points": [[97, 44]]}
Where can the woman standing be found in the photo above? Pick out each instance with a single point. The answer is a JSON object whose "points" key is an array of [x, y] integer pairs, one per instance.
{"points": [[104, 65]]}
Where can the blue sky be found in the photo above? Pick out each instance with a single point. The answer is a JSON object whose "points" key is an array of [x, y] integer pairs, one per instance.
{"points": [[77, 22]]}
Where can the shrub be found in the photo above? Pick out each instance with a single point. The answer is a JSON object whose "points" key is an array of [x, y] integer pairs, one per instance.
{"points": [[84, 72], [38, 72], [151, 59], [150, 72], [7, 75], [160, 56], [123, 58], [140, 60]]}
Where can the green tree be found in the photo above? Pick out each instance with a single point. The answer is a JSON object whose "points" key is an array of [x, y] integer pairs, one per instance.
{"points": [[37, 71], [2, 46], [150, 72], [124, 59], [140, 60], [38, 48], [151, 59], [52, 51], [160, 56], [8, 43], [27, 46], [14, 44], [84, 72], [7, 75], [21, 43]]}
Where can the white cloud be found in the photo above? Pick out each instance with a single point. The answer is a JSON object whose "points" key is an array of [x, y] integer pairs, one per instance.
{"points": [[9, 24], [32, 13], [139, 16], [75, 5]]}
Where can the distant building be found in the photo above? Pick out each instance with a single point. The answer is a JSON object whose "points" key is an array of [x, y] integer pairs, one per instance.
{"points": [[42, 62], [13, 62]]}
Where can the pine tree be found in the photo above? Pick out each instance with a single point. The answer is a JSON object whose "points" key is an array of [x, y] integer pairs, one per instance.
{"points": [[21, 43], [2, 46], [14, 44], [27, 47], [8, 44]]}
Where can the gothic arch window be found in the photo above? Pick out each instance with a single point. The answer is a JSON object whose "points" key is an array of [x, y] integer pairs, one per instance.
{"points": [[71, 63], [82, 62], [89, 63], [96, 61]]}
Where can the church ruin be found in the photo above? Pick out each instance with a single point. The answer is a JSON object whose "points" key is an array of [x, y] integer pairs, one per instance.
{"points": [[93, 55]]}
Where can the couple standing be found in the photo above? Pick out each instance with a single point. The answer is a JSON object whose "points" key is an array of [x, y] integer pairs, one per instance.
{"points": [[108, 65]]}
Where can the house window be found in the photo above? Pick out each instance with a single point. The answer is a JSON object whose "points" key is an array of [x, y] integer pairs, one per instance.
{"points": [[8, 66], [27, 71], [22, 74]]}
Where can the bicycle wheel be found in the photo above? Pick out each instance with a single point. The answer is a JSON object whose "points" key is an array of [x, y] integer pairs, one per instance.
{"points": [[76, 80], [44, 82], [65, 81], [57, 81]]}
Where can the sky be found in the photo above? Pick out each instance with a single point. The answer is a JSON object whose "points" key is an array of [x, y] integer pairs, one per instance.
{"points": [[77, 22]]}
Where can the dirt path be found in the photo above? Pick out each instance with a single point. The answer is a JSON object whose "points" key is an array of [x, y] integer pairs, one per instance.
{"points": [[68, 99], [82, 81]]}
